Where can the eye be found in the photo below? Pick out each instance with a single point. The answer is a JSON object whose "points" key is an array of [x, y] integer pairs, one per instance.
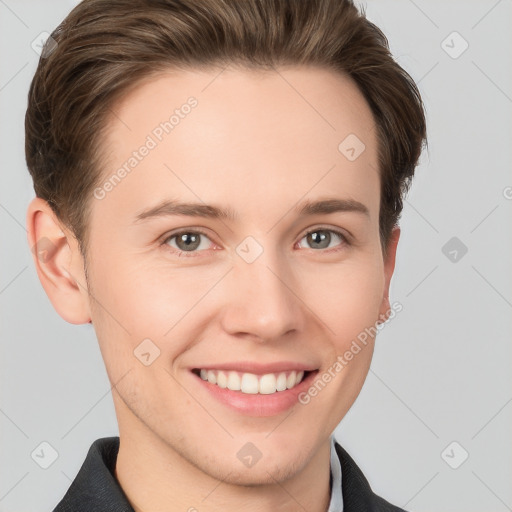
{"points": [[187, 242], [320, 238]]}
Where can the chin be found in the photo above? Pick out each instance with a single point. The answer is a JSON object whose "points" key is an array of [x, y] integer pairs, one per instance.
{"points": [[270, 468], [260, 474]]}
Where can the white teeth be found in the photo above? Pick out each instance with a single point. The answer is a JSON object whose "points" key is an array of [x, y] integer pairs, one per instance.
{"points": [[290, 381], [253, 384], [222, 380], [268, 384], [249, 383], [234, 383], [281, 382]]}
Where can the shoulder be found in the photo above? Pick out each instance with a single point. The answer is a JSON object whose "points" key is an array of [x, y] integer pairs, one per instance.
{"points": [[95, 486], [357, 493]]}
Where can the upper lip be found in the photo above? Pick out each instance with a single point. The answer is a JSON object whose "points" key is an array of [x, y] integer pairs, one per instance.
{"points": [[258, 368]]}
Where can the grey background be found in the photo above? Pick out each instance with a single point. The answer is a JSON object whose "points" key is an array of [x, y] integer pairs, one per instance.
{"points": [[441, 371]]}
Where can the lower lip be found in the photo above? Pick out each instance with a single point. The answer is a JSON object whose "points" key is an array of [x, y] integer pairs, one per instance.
{"points": [[257, 404]]}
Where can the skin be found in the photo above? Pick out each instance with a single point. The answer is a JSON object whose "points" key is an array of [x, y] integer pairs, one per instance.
{"points": [[261, 147]]}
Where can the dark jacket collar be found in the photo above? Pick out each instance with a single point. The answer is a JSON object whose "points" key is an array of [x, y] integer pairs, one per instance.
{"points": [[96, 489], [357, 493]]}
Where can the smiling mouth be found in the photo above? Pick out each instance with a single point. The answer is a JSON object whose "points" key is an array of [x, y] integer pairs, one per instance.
{"points": [[252, 384]]}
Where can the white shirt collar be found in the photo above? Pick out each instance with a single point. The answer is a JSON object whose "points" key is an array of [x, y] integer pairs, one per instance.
{"points": [[336, 503]]}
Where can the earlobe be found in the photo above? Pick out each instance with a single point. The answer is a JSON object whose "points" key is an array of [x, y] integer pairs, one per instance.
{"points": [[389, 267], [58, 262]]}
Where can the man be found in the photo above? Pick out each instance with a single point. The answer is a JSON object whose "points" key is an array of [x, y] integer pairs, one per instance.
{"points": [[218, 189]]}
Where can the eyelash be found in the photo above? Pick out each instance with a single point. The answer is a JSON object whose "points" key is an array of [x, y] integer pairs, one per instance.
{"points": [[192, 254]]}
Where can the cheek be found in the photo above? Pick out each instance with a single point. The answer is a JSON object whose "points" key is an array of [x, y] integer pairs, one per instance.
{"points": [[135, 303], [347, 297], [153, 300]]}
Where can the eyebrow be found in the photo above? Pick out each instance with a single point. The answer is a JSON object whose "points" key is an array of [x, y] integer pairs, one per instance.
{"points": [[325, 206]]}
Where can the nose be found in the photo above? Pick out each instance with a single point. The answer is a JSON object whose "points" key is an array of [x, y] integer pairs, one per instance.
{"points": [[261, 301]]}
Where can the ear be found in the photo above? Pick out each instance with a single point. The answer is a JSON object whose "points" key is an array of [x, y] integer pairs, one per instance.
{"points": [[389, 267], [58, 262]]}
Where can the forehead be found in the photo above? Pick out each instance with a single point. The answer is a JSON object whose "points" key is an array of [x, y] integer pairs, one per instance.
{"points": [[212, 133]]}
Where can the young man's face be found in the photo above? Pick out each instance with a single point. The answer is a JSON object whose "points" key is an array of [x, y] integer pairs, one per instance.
{"points": [[253, 294]]}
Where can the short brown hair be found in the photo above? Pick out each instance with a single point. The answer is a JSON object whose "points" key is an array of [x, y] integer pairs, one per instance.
{"points": [[106, 47]]}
